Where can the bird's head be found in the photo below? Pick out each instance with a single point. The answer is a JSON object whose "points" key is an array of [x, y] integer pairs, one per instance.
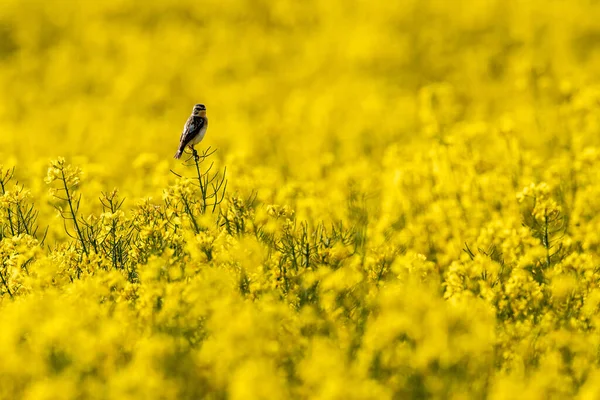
{"points": [[199, 110]]}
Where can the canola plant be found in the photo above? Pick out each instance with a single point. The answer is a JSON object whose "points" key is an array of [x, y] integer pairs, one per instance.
{"points": [[394, 199]]}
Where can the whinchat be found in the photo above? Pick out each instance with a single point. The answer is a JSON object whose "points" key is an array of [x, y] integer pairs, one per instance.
{"points": [[193, 130]]}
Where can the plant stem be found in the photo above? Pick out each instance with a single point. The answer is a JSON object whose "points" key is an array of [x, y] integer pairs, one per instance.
{"points": [[8, 210], [202, 186], [4, 282], [69, 200], [546, 239]]}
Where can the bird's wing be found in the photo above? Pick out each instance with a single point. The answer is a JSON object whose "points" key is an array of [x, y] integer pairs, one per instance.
{"points": [[190, 130]]}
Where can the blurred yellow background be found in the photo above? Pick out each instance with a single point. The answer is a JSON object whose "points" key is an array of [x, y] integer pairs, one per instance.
{"points": [[294, 88], [426, 221]]}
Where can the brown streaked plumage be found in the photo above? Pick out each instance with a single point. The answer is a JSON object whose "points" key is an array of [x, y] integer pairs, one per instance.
{"points": [[193, 130]]}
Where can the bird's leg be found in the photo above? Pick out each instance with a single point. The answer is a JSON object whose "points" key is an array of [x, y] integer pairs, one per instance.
{"points": [[195, 153]]}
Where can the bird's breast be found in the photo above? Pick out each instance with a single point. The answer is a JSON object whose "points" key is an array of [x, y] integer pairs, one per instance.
{"points": [[200, 134]]}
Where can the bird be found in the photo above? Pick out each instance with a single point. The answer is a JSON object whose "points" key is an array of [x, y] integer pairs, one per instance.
{"points": [[193, 130]]}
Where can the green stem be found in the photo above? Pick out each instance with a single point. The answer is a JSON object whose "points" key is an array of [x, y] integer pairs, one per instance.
{"points": [[4, 281], [23, 221], [546, 239], [69, 200], [202, 186], [8, 211], [189, 213]]}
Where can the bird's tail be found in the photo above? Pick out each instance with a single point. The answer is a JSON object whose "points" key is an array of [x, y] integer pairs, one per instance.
{"points": [[178, 154]]}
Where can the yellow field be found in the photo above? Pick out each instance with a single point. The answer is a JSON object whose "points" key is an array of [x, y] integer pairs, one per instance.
{"points": [[404, 200]]}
